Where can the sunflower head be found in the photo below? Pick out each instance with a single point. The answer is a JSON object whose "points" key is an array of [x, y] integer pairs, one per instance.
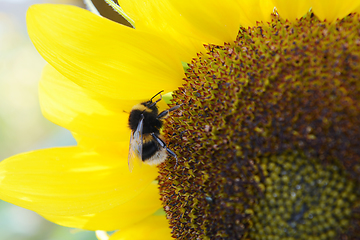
{"points": [[269, 135]]}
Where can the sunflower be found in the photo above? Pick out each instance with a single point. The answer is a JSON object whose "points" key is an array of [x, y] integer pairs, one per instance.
{"points": [[267, 136]]}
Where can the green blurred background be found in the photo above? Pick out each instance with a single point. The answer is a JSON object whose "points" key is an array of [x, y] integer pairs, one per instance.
{"points": [[22, 126]]}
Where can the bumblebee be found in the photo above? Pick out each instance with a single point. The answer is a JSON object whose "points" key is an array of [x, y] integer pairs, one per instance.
{"points": [[146, 143]]}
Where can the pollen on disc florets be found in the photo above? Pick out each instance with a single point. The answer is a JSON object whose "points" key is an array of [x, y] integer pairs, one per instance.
{"points": [[276, 110], [302, 199]]}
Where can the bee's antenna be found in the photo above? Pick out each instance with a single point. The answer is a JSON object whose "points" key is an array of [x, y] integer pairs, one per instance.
{"points": [[154, 103], [156, 95]]}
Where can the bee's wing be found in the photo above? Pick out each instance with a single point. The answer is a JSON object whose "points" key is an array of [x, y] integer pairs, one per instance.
{"points": [[136, 144]]}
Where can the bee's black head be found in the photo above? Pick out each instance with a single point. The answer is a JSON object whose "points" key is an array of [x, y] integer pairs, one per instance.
{"points": [[149, 110], [149, 105]]}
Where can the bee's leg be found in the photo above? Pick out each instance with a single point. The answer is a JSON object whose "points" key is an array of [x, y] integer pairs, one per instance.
{"points": [[172, 154], [164, 113], [163, 145]]}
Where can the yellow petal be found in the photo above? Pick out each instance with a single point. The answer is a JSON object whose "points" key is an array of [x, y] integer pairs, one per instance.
{"points": [[163, 19], [292, 10], [122, 216], [73, 107], [187, 24], [103, 147], [357, 10], [101, 55], [332, 10], [212, 18], [70, 181], [152, 228], [252, 11]]}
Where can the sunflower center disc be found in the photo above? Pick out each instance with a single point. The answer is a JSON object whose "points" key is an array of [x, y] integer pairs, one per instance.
{"points": [[302, 200], [268, 136]]}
